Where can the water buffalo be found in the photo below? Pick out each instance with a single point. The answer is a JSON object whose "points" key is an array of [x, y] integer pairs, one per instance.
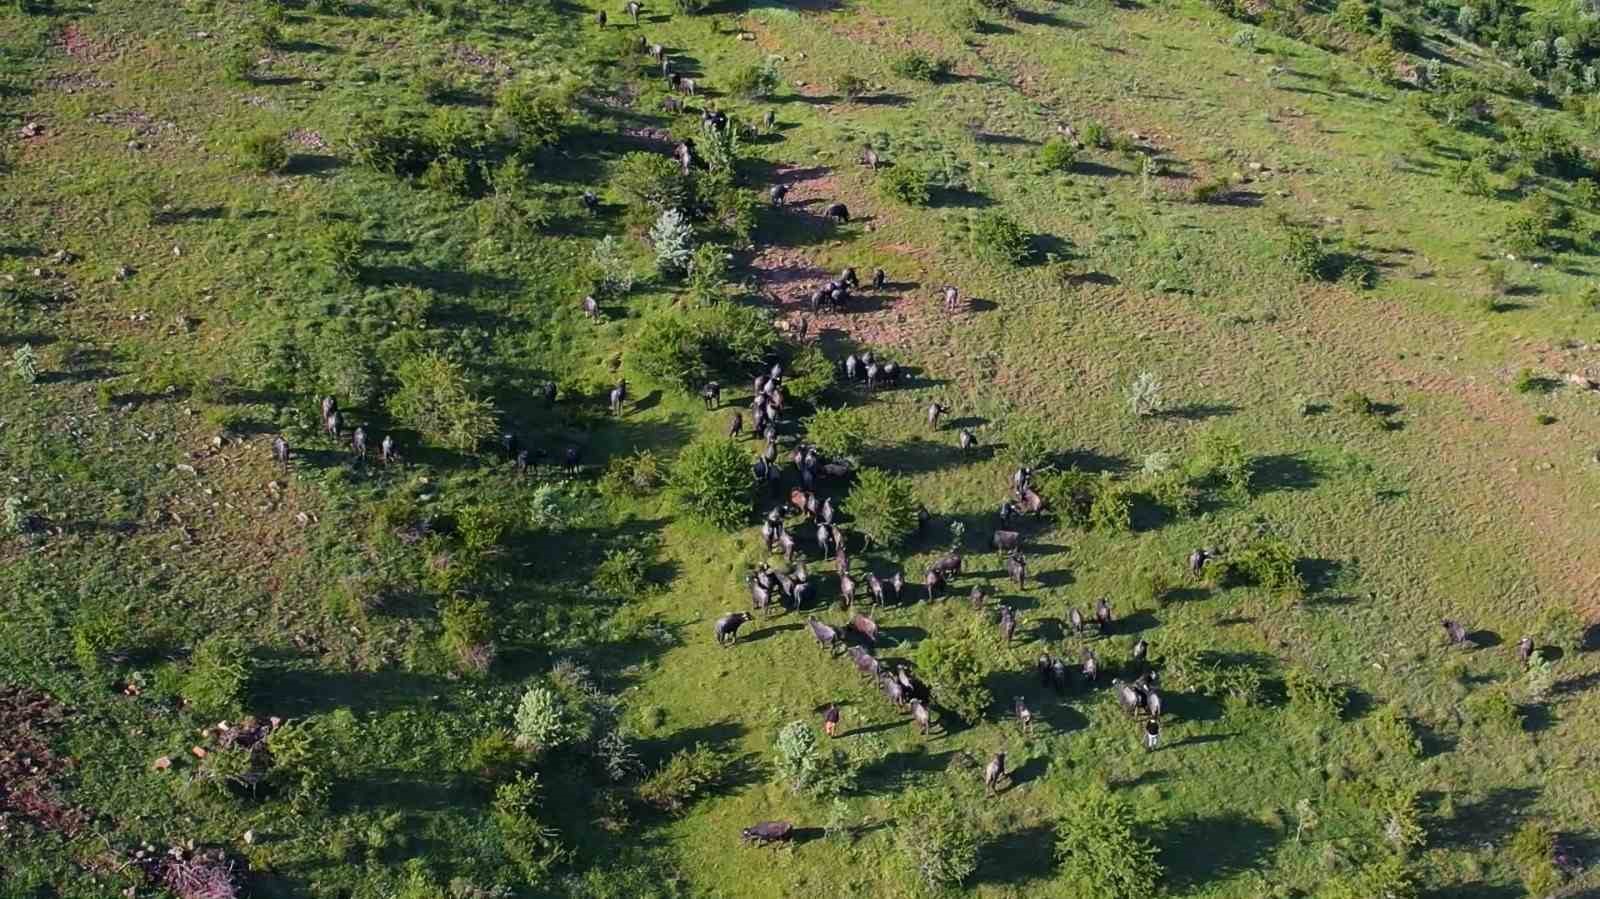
{"points": [[851, 364], [1455, 632], [619, 395], [869, 157], [1102, 615], [1024, 716], [864, 662], [1060, 677], [919, 714], [727, 627], [866, 627], [977, 597], [827, 511], [1152, 703], [331, 424], [804, 592], [712, 394], [830, 719], [826, 636], [778, 193], [600, 18], [786, 545], [947, 565], [1042, 667], [1032, 502], [893, 690], [1197, 561], [1076, 618], [1008, 623], [736, 425], [897, 583], [548, 388], [358, 443], [1141, 651], [591, 308], [1525, 651], [329, 406], [1008, 511], [1091, 667], [632, 9], [993, 772], [847, 589], [848, 277], [386, 450], [280, 450], [966, 440], [891, 373], [934, 411], [879, 279], [1129, 698], [760, 597], [1021, 479], [1017, 568], [875, 587], [874, 372], [933, 582], [839, 212], [1006, 541], [952, 299], [768, 832], [769, 120], [573, 459]]}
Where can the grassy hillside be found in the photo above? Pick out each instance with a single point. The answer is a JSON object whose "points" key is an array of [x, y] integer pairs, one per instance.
{"points": [[1358, 279]]}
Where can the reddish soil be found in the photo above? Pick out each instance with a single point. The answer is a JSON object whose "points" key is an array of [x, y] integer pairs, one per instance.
{"points": [[29, 769]]}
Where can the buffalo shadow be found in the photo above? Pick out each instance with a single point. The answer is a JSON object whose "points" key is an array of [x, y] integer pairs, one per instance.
{"points": [[1205, 848]]}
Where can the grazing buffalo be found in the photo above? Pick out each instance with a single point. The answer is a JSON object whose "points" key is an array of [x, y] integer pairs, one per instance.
{"points": [[879, 279], [329, 406], [1152, 703], [866, 627], [848, 277], [952, 299], [1006, 541], [1021, 479], [632, 10], [358, 443], [1456, 632], [934, 411], [1008, 623], [1043, 667], [1076, 617], [978, 598], [1091, 667], [548, 388], [1102, 615], [760, 597], [847, 589], [280, 450], [1017, 568], [898, 584], [1141, 652], [948, 565], [386, 450], [736, 425], [1197, 561], [933, 583], [591, 308], [826, 636], [893, 690], [1032, 502], [1130, 699], [1525, 651], [1060, 677], [786, 545], [768, 832], [919, 714], [1024, 716], [875, 587], [839, 212], [727, 628], [778, 193], [712, 394], [864, 662], [869, 157], [994, 772], [619, 395], [966, 440]]}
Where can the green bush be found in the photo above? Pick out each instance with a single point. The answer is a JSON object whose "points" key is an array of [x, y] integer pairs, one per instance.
{"points": [[838, 433], [239, 64], [531, 115], [905, 183], [938, 837], [1472, 177], [1267, 562], [266, 34], [468, 635], [1561, 626], [956, 673], [218, 675], [1220, 457], [1303, 254], [1099, 850], [543, 721], [1532, 849], [530, 844], [100, 636], [1393, 731], [494, 756], [809, 374], [919, 66], [711, 480], [1028, 442], [883, 507], [999, 239], [1111, 509], [651, 181], [1058, 154], [554, 507], [25, 364], [1314, 697], [636, 475], [623, 573], [708, 273], [391, 145], [1389, 876], [669, 348], [849, 86], [1095, 135], [1493, 709], [437, 399], [264, 151], [673, 240], [337, 248], [796, 756], [686, 776], [482, 526], [755, 81]]}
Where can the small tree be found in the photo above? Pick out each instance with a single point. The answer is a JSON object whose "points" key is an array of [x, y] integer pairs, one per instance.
{"points": [[688, 774], [218, 674], [25, 364], [708, 273], [839, 433], [614, 273], [529, 843], [883, 506], [711, 479], [337, 246], [756, 81], [437, 399], [1532, 850], [651, 181], [849, 85], [938, 836], [906, 183], [919, 66], [999, 239], [956, 672], [1144, 395], [469, 635], [1099, 851], [1058, 154], [673, 240], [796, 755], [809, 374], [264, 152], [720, 149], [668, 348], [531, 114], [542, 720]]}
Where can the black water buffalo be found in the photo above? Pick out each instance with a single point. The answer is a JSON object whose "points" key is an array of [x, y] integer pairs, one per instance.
{"points": [[768, 832], [838, 212], [994, 772], [826, 636], [727, 627]]}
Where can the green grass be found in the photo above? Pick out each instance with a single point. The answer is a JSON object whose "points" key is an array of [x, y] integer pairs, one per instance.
{"points": [[1449, 500]]}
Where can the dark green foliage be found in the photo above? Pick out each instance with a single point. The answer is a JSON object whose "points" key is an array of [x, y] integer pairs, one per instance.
{"points": [[1532, 849], [337, 247], [218, 674], [1058, 154], [531, 115], [531, 845], [999, 239], [437, 399], [937, 836], [264, 152], [809, 374], [708, 273], [919, 66], [636, 475], [495, 756], [690, 7], [1543, 145], [837, 433], [1220, 458], [883, 507], [850, 85], [1303, 255], [1359, 15], [1267, 562], [1005, 8], [651, 181], [956, 673], [1389, 876], [1493, 709], [1530, 381], [266, 34], [392, 145], [1314, 697], [1111, 508], [623, 573], [1562, 627], [711, 480], [1028, 442], [669, 348], [100, 635], [1393, 730], [1400, 35], [1099, 849], [686, 776], [468, 635], [1095, 135], [905, 183], [755, 81]]}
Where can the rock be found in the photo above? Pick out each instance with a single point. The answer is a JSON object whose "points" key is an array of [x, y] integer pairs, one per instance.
{"points": [[185, 467], [163, 763], [199, 752], [62, 257], [1578, 380], [177, 250], [249, 837], [32, 129]]}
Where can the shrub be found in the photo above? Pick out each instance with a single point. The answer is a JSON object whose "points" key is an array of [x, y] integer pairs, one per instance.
{"points": [[494, 756], [809, 374], [938, 836], [687, 775], [1561, 626], [796, 755], [615, 275], [905, 183], [1528, 232], [964, 20], [1393, 731], [720, 149], [1028, 442], [1530, 381], [673, 240], [468, 635], [850, 86], [1221, 457], [100, 635], [736, 211], [690, 7], [337, 247], [1532, 849], [1389, 876], [1005, 8], [264, 152], [266, 34], [838, 433], [1212, 189], [1314, 697], [883, 507], [448, 175], [1303, 254], [239, 64], [531, 115], [755, 81], [390, 145], [1267, 562], [1099, 852], [956, 673], [553, 508], [543, 721], [1094, 135], [708, 273], [651, 181], [1244, 39], [711, 479], [25, 364], [1586, 193], [218, 674], [919, 66], [1357, 403], [1111, 509], [667, 347], [482, 526], [436, 398], [999, 239], [622, 574], [636, 475], [529, 844], [1493, 709], [1398, 813], [1058, 154], [1472, 177], [1144, 395]]}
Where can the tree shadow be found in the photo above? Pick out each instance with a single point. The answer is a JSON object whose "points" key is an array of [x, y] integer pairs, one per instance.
{"points": [[1018, 857], [1489, 819], [1196, 707], [313, 164], [1202, 849], [1284, 471], [1197, 411]]}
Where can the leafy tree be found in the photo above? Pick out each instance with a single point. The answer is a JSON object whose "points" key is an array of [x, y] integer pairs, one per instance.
{"points": [[622, 573], [956, 673], [809, 374], [999, 239], [531, 845], [688, 774], [636, 475], [468, 634], [651, 181], [1058, 154], [796, 755], [1313, 696], [673, 240], [436, 398], [668, 348], [218, 674], [711, 479], [938, 836], [337, 246], [839, 433], [708, 273], [264, 152], [531, 114], [1389, 876], [755, 81], [883, 507], [1532, 849], [906, 183], [1099, 851], [1028, 442]]}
